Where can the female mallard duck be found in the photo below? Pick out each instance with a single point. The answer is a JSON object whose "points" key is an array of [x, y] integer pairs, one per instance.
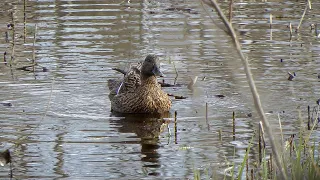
{"points": [[139, 90]]}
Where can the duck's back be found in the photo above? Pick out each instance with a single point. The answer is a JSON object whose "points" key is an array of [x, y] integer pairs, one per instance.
{"points": [[147, 98], [129, 83]]}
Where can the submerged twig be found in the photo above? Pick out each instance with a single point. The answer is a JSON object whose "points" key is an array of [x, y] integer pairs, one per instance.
{"points": [[253, 88], [207, 116]]}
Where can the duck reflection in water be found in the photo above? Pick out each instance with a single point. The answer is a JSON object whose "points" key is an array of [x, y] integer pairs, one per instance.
{"points": [[148, 128]]}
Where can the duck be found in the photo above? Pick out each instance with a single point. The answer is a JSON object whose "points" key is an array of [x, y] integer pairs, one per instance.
{"points": [[139, 91]]}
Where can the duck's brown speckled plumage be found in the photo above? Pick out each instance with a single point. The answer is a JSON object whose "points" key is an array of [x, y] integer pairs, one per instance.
{"points": [[139, 91]]}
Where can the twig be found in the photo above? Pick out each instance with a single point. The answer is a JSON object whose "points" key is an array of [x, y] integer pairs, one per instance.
{"points": [[20, 139], [175, 69], [253, 88], [120, 70], [212, 19]]}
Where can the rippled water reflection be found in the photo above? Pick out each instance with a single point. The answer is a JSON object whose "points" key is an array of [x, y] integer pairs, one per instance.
{"points": [[80, 41]]}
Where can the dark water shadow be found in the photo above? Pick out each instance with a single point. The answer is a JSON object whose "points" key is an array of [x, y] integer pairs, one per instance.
{"points": [[148, 128]]}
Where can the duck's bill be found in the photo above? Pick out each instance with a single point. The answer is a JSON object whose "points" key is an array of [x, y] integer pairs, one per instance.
{"points": [[156, 71]]}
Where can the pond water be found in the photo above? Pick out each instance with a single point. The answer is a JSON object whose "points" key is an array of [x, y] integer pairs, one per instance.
{"points": [[58, 125]]}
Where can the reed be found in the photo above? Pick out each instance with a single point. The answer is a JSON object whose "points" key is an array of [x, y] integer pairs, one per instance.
{"points": [[175, 127], [6, 36], [252, 86], [230, 10], [34, 48], [270, 26], [290, 27], [308, 5], [270, 20], [13, 38], [5, 58], [24, 21], [207, 116]]}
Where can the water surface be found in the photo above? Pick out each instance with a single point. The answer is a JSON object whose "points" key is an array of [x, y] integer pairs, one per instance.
{"points": [[64, 113]]}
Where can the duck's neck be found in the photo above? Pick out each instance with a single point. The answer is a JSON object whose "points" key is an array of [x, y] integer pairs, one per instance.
{"points": [[149, 80]]}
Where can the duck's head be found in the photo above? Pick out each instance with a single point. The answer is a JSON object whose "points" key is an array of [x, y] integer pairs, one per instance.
{"points": [[150, 66]]}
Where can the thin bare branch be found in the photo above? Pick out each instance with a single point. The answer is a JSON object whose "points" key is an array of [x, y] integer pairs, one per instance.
{"points": [[253, 88]]}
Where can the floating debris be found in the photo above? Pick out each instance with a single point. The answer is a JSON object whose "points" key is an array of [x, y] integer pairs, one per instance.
{"points": [[291, 76], [177, 97], [32, 68], [5, 157], [220, 96], [188, 10], [7, 104], [10, 26], [192, 82]]}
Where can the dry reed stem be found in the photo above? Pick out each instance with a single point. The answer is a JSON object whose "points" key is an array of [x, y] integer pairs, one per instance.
{"points": [[230, 10], [280, 130], [212, 19], [253, 88], [270, 21], [304, 13]]}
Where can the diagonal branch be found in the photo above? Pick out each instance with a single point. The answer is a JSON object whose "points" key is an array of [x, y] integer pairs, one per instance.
{"points": [[256, 98]]}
